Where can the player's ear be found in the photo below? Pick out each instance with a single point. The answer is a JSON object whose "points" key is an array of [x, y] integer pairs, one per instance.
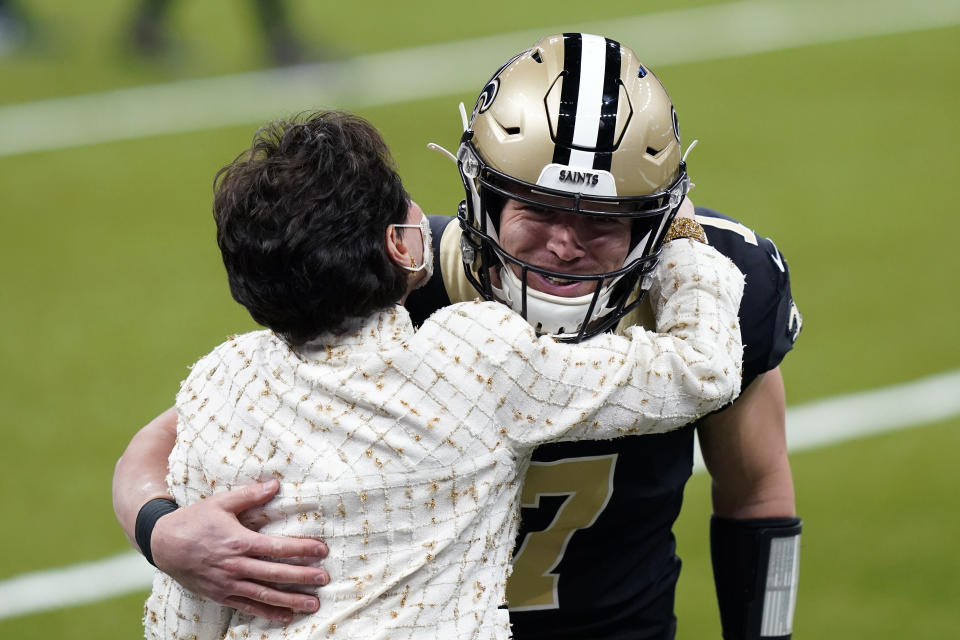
{"points": [[396, 248]]}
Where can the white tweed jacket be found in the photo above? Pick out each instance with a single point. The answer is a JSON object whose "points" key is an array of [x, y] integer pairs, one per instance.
{"points": [[406, 450]]}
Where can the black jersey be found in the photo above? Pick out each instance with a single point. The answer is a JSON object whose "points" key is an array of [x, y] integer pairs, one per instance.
{"points": [[595, 556]]}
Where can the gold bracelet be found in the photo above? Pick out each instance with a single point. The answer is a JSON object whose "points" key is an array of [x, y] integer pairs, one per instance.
{"points": [[685, 228]]}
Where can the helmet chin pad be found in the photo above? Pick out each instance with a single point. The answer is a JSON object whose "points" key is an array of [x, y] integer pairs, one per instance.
{"points": [[549, 314]]}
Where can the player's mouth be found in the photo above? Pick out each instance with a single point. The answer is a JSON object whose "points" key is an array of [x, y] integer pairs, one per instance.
{"points": [[558, 286]]}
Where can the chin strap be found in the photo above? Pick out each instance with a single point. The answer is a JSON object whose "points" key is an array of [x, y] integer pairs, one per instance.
{"points": [[755, 569], [433, 146]]}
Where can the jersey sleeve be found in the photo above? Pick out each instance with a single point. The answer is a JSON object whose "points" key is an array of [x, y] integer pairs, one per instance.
{"points": [[769, 319]]}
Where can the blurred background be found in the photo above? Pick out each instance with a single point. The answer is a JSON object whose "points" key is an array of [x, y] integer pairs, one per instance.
{"points": [[831, 127]]}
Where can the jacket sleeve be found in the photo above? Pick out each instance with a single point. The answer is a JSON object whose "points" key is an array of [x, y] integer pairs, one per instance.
{"points": [[608, 386]]}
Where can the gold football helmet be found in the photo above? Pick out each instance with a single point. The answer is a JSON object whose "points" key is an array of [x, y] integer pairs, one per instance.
{"points": [[576, 123]]}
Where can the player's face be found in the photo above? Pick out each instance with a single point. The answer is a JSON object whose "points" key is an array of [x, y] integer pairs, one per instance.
{"points": [[564, 242]]}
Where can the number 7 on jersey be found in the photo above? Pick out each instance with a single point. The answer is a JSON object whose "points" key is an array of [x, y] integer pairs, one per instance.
{"points": [[587, 484]]}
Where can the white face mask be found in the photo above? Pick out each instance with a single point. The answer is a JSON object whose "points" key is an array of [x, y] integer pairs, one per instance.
{"points": [[426, 235]]}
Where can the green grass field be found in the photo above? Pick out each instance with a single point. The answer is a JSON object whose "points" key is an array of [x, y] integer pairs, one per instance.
{"points": [[842, 152]]}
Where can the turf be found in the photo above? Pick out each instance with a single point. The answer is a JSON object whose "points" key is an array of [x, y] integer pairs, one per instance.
{"points": [[876, 559], [842, 153]]}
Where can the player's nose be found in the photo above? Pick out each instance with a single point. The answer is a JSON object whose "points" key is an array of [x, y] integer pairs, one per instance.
{"points": [[563, 238]]}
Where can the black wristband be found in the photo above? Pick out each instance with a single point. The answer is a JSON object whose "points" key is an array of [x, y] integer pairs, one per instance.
{"points": [[147, 520]]}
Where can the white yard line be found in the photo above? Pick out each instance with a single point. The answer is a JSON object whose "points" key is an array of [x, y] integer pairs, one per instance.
{"points": [[812, 425], [74, 585], [833, 420], [671, 37], [674, 37]]}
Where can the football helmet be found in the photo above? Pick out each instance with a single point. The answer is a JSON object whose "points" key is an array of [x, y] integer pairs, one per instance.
{"points": [[576, 124]]}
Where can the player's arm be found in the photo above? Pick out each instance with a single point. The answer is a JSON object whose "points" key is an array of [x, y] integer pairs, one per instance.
{"points": [[140, 473], [754, 531], [204, 546], [745, 450]]}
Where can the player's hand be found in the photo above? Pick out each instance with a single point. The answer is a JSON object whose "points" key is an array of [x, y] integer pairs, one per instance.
{"points": [[206, 549], [686, 209]]}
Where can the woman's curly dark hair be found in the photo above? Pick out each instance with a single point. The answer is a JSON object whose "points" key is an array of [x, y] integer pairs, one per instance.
{"points": [[301, 218]]}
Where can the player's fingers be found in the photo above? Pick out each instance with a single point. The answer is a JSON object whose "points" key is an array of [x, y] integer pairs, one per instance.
{"points": [[259, 544], [256, 570], [277, 614], [686, 209], [264, 597], [254, 519], [246, 497]]}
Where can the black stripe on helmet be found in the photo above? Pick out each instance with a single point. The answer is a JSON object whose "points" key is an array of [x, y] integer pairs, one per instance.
{"points": [[567, 117], [608, 109]]}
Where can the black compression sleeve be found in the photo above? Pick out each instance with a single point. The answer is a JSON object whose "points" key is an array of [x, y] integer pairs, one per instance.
{"points": [[755, 566]]}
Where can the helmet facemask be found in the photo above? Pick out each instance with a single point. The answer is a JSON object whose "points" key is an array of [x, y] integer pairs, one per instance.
{"points": [[568, 319]]}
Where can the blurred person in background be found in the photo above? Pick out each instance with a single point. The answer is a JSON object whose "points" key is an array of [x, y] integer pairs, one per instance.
{"points": [[558, 128], [149, 30], [13, 27]]}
